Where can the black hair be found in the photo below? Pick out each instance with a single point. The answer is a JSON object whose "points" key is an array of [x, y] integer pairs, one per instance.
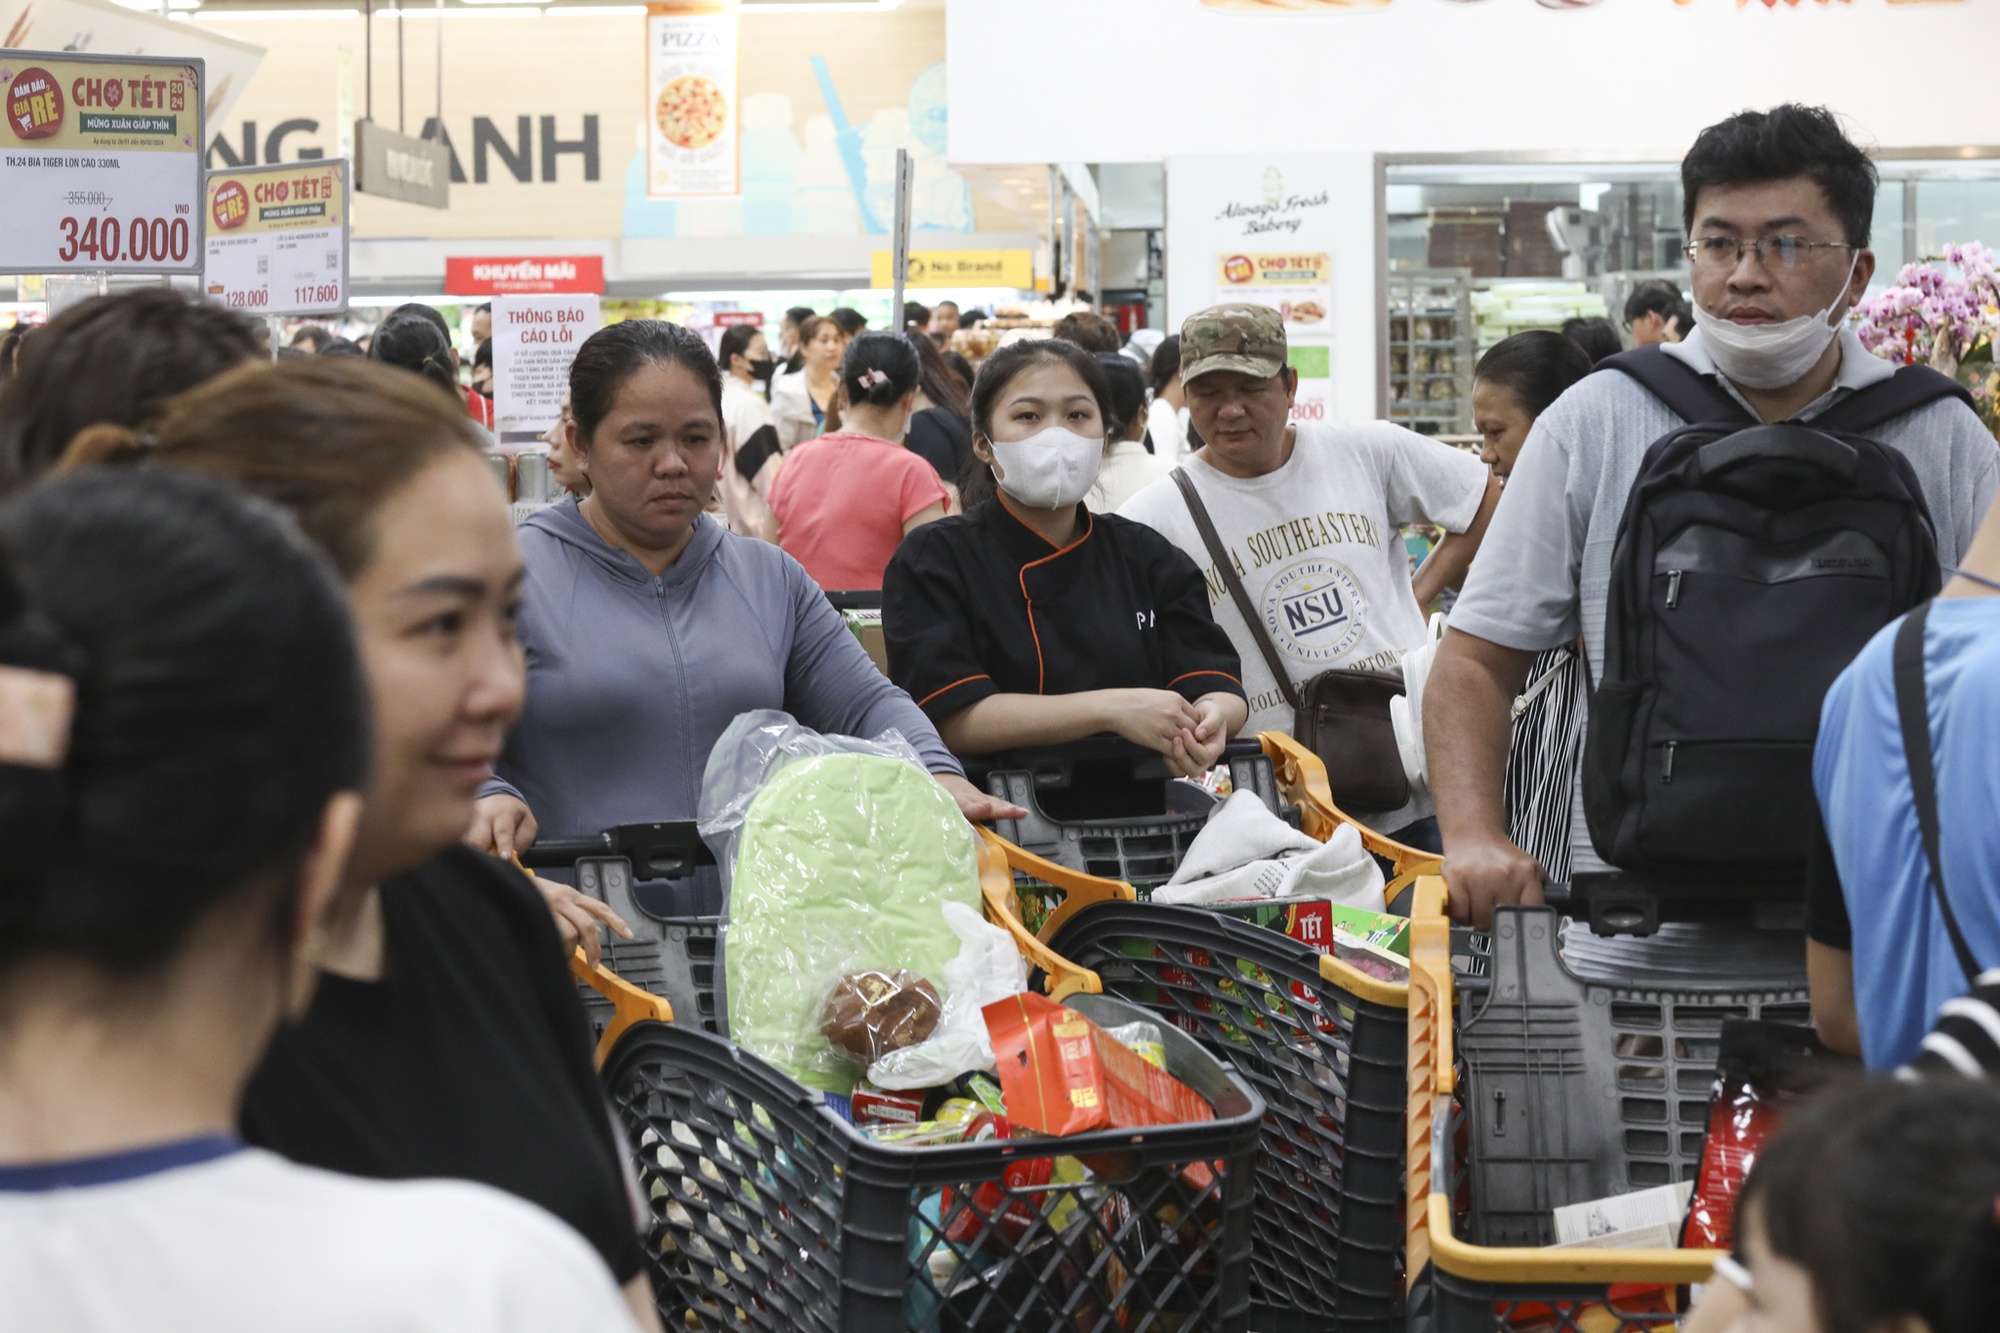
{"points": [[1597, 336], [483, 308], [946, 302], [483, 354], [342, 347], [968, 319], [887, 362], [961, 368], [849, 319], [975, 483], [416, 345], [314, 337], [219, 704], [609, 357], [1789, 140], [1537, 367], [1885, 1193], [1126, 402], [418, 310], [1656, 296], [1166, 361], [736, 340], [936, 377], [916, 315], [799, 314], [116, 359]]}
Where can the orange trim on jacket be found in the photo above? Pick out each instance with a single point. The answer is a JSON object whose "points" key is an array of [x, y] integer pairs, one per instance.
{"points": [[1089, 526], [943, 689]]}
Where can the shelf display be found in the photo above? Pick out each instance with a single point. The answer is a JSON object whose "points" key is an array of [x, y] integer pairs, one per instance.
{"points": [[1431, 350], [1505, 308]]}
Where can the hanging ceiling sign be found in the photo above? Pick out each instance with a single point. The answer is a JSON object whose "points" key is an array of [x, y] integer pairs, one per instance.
{"points": [[692, 123], [100, 164], [396, 166], [277, 238]]}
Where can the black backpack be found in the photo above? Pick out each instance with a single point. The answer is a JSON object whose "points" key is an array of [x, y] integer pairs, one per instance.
{"points": [[1753, 562]]}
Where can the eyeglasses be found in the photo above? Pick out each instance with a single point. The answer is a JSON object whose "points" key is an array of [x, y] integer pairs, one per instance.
{"points": [[1718, 252]]}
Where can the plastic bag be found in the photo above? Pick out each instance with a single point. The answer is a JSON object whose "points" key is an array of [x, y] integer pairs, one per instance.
{"points": [[836, 856], [1762, 1071], [988, 968]]}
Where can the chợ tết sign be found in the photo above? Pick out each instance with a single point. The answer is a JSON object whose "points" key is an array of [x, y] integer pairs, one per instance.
{"points": [[277, 238], [100, 163]]}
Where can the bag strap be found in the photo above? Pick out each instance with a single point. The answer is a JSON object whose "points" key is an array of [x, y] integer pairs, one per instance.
{"points": [[1237, 593], [1910, 388], [1542, 682], [1687, 392], [1915, 717]]}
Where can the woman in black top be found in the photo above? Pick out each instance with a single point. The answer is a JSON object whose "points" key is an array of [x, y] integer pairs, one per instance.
{"points": [[446, 1038], [940, 430], [1030, 621]]}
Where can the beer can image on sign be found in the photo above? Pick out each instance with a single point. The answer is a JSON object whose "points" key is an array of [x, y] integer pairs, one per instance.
{"points": [[691, 100]]}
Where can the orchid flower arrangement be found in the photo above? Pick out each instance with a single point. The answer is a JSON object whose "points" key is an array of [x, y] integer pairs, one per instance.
{"points": [[1945, 316]]}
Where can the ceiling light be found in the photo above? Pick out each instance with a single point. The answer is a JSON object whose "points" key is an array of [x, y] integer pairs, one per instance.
{"points": [[233, 15]]}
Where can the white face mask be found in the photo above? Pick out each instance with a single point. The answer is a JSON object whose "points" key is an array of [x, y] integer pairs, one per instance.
{"points": [[1771, 356], [1051, 468]]}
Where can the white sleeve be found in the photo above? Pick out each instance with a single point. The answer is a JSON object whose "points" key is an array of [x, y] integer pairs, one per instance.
{"points": [[1425, 481]]}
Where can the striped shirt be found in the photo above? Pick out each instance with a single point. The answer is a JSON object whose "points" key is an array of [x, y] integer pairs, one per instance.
{"points": [[1966, 1039], [1542, 760]]}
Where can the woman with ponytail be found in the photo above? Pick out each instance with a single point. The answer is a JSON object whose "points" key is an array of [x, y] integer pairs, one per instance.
{"points": [[447, 1038], [845, 500], [183, 733]]}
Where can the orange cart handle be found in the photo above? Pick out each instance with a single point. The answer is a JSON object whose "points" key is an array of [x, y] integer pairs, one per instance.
{"points": [[629, 1004]]}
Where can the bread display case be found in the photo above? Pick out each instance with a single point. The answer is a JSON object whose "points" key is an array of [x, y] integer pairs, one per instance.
{"points": [[1431, 350]]}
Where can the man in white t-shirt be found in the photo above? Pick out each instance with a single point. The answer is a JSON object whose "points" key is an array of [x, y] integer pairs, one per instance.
{"points": [[1310, 515]]}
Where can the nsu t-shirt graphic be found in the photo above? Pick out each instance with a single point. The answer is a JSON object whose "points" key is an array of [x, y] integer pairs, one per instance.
{"points": [[1316, 546]]}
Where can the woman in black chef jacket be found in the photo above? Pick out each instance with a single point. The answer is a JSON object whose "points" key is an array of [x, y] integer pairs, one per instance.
{"points": [[1030, 621]]}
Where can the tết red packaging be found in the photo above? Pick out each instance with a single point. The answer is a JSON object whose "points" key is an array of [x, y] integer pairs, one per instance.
{"points": [[1062, 1074], [882, 1106]]}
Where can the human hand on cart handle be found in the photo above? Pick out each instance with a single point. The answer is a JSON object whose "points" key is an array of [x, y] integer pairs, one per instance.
{"points": [[1197, 749], [578, 915], [502, 825], [1486, 873], [977, 806], [1159, 720]]}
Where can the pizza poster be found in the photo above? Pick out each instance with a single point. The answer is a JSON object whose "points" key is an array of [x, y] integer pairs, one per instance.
{"points": [[277, 238], [692, 113], [100, 164]]}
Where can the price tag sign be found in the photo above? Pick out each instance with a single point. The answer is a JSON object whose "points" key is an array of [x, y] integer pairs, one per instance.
{"points": [[277, 238], [100, 163]]}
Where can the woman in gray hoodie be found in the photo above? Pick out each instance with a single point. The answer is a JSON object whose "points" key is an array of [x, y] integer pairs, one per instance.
{"points": [[648, 628]]}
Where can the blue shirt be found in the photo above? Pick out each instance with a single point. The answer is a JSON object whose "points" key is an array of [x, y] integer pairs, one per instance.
{"points": [[1904, 968]]}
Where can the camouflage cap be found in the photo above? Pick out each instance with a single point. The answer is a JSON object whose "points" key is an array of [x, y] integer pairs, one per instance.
{"points": [[1236, 336]]}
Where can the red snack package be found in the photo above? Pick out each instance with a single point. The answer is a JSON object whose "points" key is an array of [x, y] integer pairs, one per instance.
{"points": [[1062, 1074], [1762, 1070], [998, 1206]]}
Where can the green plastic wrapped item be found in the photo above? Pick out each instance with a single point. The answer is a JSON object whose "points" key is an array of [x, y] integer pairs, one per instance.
{"points": [[838, 856]]}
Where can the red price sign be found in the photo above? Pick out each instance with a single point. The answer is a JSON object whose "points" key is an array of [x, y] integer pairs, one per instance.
{"points": [[34, 104], [230, 208]]}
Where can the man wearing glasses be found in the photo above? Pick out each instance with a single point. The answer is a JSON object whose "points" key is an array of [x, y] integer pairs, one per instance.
{"points": [[1777, 205]]}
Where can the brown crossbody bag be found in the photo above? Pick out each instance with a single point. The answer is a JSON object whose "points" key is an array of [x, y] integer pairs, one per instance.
{"points": [[1341, 716]]}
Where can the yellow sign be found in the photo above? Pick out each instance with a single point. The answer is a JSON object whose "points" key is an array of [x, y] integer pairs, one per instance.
{"points": [[958, 268], [1274, 270], [310, 195]]}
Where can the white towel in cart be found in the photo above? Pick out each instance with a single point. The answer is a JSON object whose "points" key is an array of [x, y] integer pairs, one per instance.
{"points": [[1245, 851]]}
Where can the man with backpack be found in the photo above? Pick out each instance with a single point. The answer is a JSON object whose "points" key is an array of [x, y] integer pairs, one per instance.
{"points": [[1727, 521]]}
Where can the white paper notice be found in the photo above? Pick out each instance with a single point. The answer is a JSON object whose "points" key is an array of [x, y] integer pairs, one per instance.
{"points": [[1644, 1219], [534, 340]]}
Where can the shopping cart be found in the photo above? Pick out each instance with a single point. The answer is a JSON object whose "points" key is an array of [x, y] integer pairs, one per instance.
{"points": [[1323, 1043], [769, 1212], [1555, 1089]]}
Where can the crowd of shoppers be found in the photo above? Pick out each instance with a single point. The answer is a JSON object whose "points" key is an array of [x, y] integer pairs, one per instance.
{"points": [[299, 689]]}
